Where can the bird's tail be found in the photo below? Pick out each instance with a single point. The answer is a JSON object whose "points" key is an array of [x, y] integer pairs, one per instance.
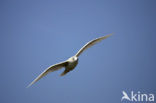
{"points": [[64, 72]]}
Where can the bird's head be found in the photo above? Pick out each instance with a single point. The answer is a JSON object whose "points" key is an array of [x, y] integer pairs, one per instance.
{"points": [[73, 58]]}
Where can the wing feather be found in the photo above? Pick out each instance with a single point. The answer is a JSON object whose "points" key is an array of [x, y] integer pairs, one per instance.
{"points": [[91, 43], [48, 70]]}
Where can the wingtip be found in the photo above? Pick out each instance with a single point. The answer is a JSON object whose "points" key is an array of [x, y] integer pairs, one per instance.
{"points": [[110, 34], [28, 86]]}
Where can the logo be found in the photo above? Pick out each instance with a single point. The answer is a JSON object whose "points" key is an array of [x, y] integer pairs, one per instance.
{"points": [[138, 96]]}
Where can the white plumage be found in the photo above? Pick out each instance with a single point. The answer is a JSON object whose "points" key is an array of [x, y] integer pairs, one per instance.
{"points": [[70, 63]]}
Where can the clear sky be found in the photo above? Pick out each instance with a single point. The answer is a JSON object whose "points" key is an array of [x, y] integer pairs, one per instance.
{"points": [[35, 34]]}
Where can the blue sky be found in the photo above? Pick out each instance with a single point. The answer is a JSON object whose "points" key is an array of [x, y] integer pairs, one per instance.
{"points": [[35, 34]]}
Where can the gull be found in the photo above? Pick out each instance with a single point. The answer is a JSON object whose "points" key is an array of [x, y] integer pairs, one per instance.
{"points": [[70, 63]]}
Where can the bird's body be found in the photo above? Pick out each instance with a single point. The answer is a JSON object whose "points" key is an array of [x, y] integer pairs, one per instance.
{"points": [[70, 63]]}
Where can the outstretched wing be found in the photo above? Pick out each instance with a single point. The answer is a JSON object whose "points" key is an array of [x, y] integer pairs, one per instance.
{"points": [[48, 70], [91, 43]]}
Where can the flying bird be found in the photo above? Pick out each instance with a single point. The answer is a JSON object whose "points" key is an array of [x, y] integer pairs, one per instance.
{"points": [[70, 63]]}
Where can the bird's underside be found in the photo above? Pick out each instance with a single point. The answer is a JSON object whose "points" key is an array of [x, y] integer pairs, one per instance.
{"points": [[70, 63]]}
